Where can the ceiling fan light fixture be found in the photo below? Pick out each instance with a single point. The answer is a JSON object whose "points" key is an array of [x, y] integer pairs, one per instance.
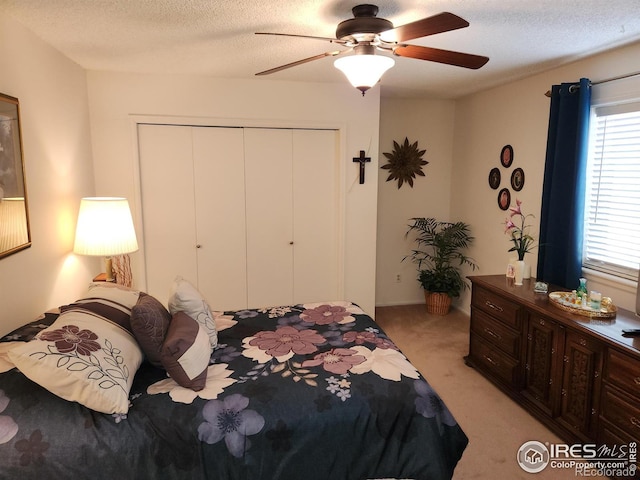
{"points": [[364, 71]]}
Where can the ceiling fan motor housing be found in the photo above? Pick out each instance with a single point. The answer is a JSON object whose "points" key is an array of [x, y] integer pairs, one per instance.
{"points": [[364, 22]]}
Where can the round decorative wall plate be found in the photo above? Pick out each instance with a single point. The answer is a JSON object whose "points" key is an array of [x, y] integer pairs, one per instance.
{"points": [[506, 156], [504, 199], [494, 178], [517, 179]]}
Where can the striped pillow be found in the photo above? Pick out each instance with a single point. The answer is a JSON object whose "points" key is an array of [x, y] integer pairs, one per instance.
{"points": [[110, 301]]}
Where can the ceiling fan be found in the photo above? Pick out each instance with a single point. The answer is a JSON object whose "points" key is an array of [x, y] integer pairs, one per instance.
{"points": [[366, 33]]}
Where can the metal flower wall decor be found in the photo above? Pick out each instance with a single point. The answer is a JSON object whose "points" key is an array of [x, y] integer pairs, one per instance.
{"points": [[405, 162]]}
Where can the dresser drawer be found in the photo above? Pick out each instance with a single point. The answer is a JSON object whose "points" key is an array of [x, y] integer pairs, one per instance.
{"points": [[493, 361], [623, 371], [495, 332], [609, 434], [496, 306], [621, 412]]}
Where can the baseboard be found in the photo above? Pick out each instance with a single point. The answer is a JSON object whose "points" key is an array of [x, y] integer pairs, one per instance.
{"points": [[459, 308], [400, 304]]}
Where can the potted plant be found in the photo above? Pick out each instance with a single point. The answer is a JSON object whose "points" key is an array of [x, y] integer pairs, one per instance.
{"points": [[439, 255]]}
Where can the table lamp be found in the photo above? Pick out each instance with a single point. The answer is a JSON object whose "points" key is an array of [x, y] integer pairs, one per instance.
{"points": [[105, 228]]}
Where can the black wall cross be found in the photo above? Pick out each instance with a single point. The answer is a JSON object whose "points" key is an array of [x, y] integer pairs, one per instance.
{"points": [[362, 160]]}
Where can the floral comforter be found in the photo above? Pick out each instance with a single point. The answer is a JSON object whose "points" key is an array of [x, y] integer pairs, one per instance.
{"points": [[306, 391]]}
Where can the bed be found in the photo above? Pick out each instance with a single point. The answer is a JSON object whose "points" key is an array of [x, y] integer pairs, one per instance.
{"points": [[314, 391]]}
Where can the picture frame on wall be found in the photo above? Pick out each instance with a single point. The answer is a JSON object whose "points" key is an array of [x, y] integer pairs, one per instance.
{"points": [[504, 199], [494, 178], [517, 179], [15, 233], [506, 156]]}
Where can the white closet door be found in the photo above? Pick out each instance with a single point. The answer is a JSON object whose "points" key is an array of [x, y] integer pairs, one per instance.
{"points": [[166, 183], [315, 216], [192, 188], [268, 180], [250, 216], [218, 155]]}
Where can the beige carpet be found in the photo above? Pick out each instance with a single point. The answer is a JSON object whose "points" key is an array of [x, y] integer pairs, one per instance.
{"points": [[496, 425]]}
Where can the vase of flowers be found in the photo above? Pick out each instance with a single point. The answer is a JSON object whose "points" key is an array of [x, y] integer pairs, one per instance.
{"points": [[518, 229]]}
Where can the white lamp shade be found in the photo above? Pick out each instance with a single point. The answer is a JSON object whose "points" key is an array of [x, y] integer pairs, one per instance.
{"points": [[105, 227], [364, 71]]}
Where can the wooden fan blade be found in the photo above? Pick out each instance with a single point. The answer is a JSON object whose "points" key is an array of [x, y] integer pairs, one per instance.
{"points": [[449, 57], [326, 39], [300, 62], [443, 22]]}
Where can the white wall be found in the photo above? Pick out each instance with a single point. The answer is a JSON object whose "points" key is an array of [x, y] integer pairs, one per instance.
{"points": [[430, 123], [517, 114], [116, 99], [57, 154]]}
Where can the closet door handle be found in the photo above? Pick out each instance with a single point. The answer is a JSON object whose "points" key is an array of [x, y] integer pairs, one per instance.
{"points": [[291, 242], [198, 246]]}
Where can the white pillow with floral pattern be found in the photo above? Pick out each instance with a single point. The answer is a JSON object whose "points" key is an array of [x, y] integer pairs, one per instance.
{"points": [[82, 358]]}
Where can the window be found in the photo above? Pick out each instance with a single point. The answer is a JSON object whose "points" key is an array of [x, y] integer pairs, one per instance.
{"points": [[612, 204]]}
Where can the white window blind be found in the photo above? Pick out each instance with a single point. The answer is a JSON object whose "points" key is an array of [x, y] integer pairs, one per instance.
{"points": [[612, 204]]}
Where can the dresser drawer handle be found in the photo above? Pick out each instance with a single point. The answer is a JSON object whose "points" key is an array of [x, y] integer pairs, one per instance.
{"points": [[636, 380], [493, 334], [491, 361], [635, 422], [493, 306]]}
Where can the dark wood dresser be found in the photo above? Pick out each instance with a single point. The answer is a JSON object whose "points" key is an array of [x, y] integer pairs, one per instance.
{"points": [[578, 376]]}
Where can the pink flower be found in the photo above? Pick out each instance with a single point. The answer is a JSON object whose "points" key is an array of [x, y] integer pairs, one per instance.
{"points": [[385, 343], [325, 314], [508, 225], [288, 339], [71, 339], [337, 360], [516, 211], [522, 240], [359, 337]]}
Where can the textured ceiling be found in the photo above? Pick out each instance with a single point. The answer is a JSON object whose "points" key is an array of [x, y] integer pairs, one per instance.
{"points": [[216, 37]]}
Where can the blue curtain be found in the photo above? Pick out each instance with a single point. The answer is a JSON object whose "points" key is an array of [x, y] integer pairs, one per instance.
{"points": [[561, 219]]}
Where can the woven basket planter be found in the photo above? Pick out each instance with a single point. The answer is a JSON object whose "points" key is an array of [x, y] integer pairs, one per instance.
{"points": [[437, 303]]}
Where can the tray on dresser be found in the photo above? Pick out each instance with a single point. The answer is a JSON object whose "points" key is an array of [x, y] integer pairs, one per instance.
{"points": [[563, 300]]}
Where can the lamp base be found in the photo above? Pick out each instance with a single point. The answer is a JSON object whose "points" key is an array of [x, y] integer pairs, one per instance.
{"points": [[109, 270]]}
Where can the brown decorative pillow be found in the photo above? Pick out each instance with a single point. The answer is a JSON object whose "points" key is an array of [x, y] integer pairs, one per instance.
{"points": [[186, 298], [150, 323], [186, 352]]}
